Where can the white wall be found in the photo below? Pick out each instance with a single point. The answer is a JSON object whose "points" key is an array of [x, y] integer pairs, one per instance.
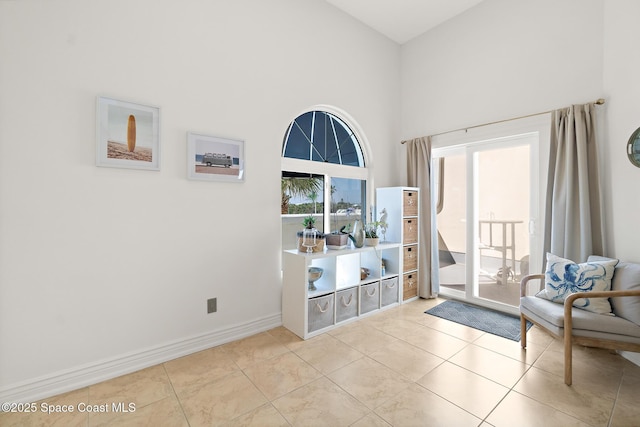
{"points": [[499, 60], [622, 89], [106, 270]]}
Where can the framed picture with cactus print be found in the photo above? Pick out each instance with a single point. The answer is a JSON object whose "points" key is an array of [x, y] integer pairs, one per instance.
{"points": [[210, 158], [127, 135]]}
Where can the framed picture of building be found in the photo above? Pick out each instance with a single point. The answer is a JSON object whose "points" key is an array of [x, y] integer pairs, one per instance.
{"points": [[210, 158], [127, 135]]}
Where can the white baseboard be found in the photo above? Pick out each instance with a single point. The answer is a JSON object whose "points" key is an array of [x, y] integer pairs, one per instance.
{"points": [[93, 373], [632, 357]]}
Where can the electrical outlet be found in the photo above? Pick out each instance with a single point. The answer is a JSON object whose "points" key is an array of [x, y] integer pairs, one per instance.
{"points": [[212, 305]]}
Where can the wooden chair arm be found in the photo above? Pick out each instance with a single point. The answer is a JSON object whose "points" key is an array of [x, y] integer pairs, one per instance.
{"points": [[568, 322], [525, 280], [568, 302]]}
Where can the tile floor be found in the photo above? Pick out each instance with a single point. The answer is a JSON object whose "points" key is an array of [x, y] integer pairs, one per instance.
{"points": [[400, 367]]}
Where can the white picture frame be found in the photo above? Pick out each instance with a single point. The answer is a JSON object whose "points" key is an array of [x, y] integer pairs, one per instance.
{"points": [[127, 135], [212, 158]]}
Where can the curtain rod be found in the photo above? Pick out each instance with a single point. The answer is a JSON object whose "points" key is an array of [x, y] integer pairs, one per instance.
{"points": [[599, 101]]}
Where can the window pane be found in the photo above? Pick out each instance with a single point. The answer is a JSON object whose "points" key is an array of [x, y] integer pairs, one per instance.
{"points": [[346, 144], [302, 195], [348, 202], [349, 155], [320, 136], [297, 145], [304, 122]]}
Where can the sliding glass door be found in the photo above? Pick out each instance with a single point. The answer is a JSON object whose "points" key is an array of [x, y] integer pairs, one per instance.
{"points": [[484, 193]]}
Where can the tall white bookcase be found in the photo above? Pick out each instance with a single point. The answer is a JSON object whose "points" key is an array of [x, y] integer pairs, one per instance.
{"points": [[403, 219]]}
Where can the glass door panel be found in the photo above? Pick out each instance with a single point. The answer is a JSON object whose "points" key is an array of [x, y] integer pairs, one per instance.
{"points": [[502, 193], [451, 190], [482, 195]]}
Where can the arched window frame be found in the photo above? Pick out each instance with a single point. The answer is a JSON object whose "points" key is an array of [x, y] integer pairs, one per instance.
{"points": [[332, 170]]}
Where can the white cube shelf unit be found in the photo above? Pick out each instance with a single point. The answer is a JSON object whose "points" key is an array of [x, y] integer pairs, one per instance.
{"points": [[341, 295]]}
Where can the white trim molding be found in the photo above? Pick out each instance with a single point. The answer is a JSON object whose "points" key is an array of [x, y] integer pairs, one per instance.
{"points": [[102, 370]]}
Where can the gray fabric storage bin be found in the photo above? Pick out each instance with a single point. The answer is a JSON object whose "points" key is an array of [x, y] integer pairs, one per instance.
{"points": [[389, 291], [346, 304], [369, 297], [320, 312]]}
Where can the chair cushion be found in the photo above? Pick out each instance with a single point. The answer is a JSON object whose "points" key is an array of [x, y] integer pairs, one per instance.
{"points": [[564, 277], [585, 323], [625, 278]]}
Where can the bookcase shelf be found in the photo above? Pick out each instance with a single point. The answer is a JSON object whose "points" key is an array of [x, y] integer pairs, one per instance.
{"points": [[341, 293]]}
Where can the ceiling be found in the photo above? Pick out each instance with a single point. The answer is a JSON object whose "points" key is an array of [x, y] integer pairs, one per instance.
{"points": [[402, 20]]}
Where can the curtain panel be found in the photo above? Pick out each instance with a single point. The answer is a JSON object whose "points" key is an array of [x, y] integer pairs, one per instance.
{"points": [[419, 175], [574, 220]]}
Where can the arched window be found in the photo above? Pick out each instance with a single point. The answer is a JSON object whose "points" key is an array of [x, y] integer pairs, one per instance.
{"points": [[320, 136], [326, 173]]}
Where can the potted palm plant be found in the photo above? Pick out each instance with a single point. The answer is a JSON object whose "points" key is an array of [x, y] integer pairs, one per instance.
{"points": [[292, 187]]}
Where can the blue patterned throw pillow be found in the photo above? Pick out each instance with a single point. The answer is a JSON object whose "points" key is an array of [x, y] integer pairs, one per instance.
{"points": [[564, 277]]}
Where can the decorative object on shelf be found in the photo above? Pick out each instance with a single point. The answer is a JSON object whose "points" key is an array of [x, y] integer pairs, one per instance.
{"points": [[357, 236], [337, 240], [383, 267], [315, 273], [371, 241], [210, 158], [127, 135], [371, 233], [633, 148], [364, 273], [383, 223], [319, 242], [310, 239]]}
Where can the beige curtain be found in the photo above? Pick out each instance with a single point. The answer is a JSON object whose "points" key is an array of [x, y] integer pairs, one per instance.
{"points": [[573, 222], [419, 175]]}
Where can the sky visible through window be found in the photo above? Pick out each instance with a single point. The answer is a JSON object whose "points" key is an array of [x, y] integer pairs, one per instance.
{"points": [[346, 190]]}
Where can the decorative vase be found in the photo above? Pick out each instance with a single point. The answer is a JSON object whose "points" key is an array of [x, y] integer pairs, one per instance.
{"points": [[357, 237], [314, 274]]}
